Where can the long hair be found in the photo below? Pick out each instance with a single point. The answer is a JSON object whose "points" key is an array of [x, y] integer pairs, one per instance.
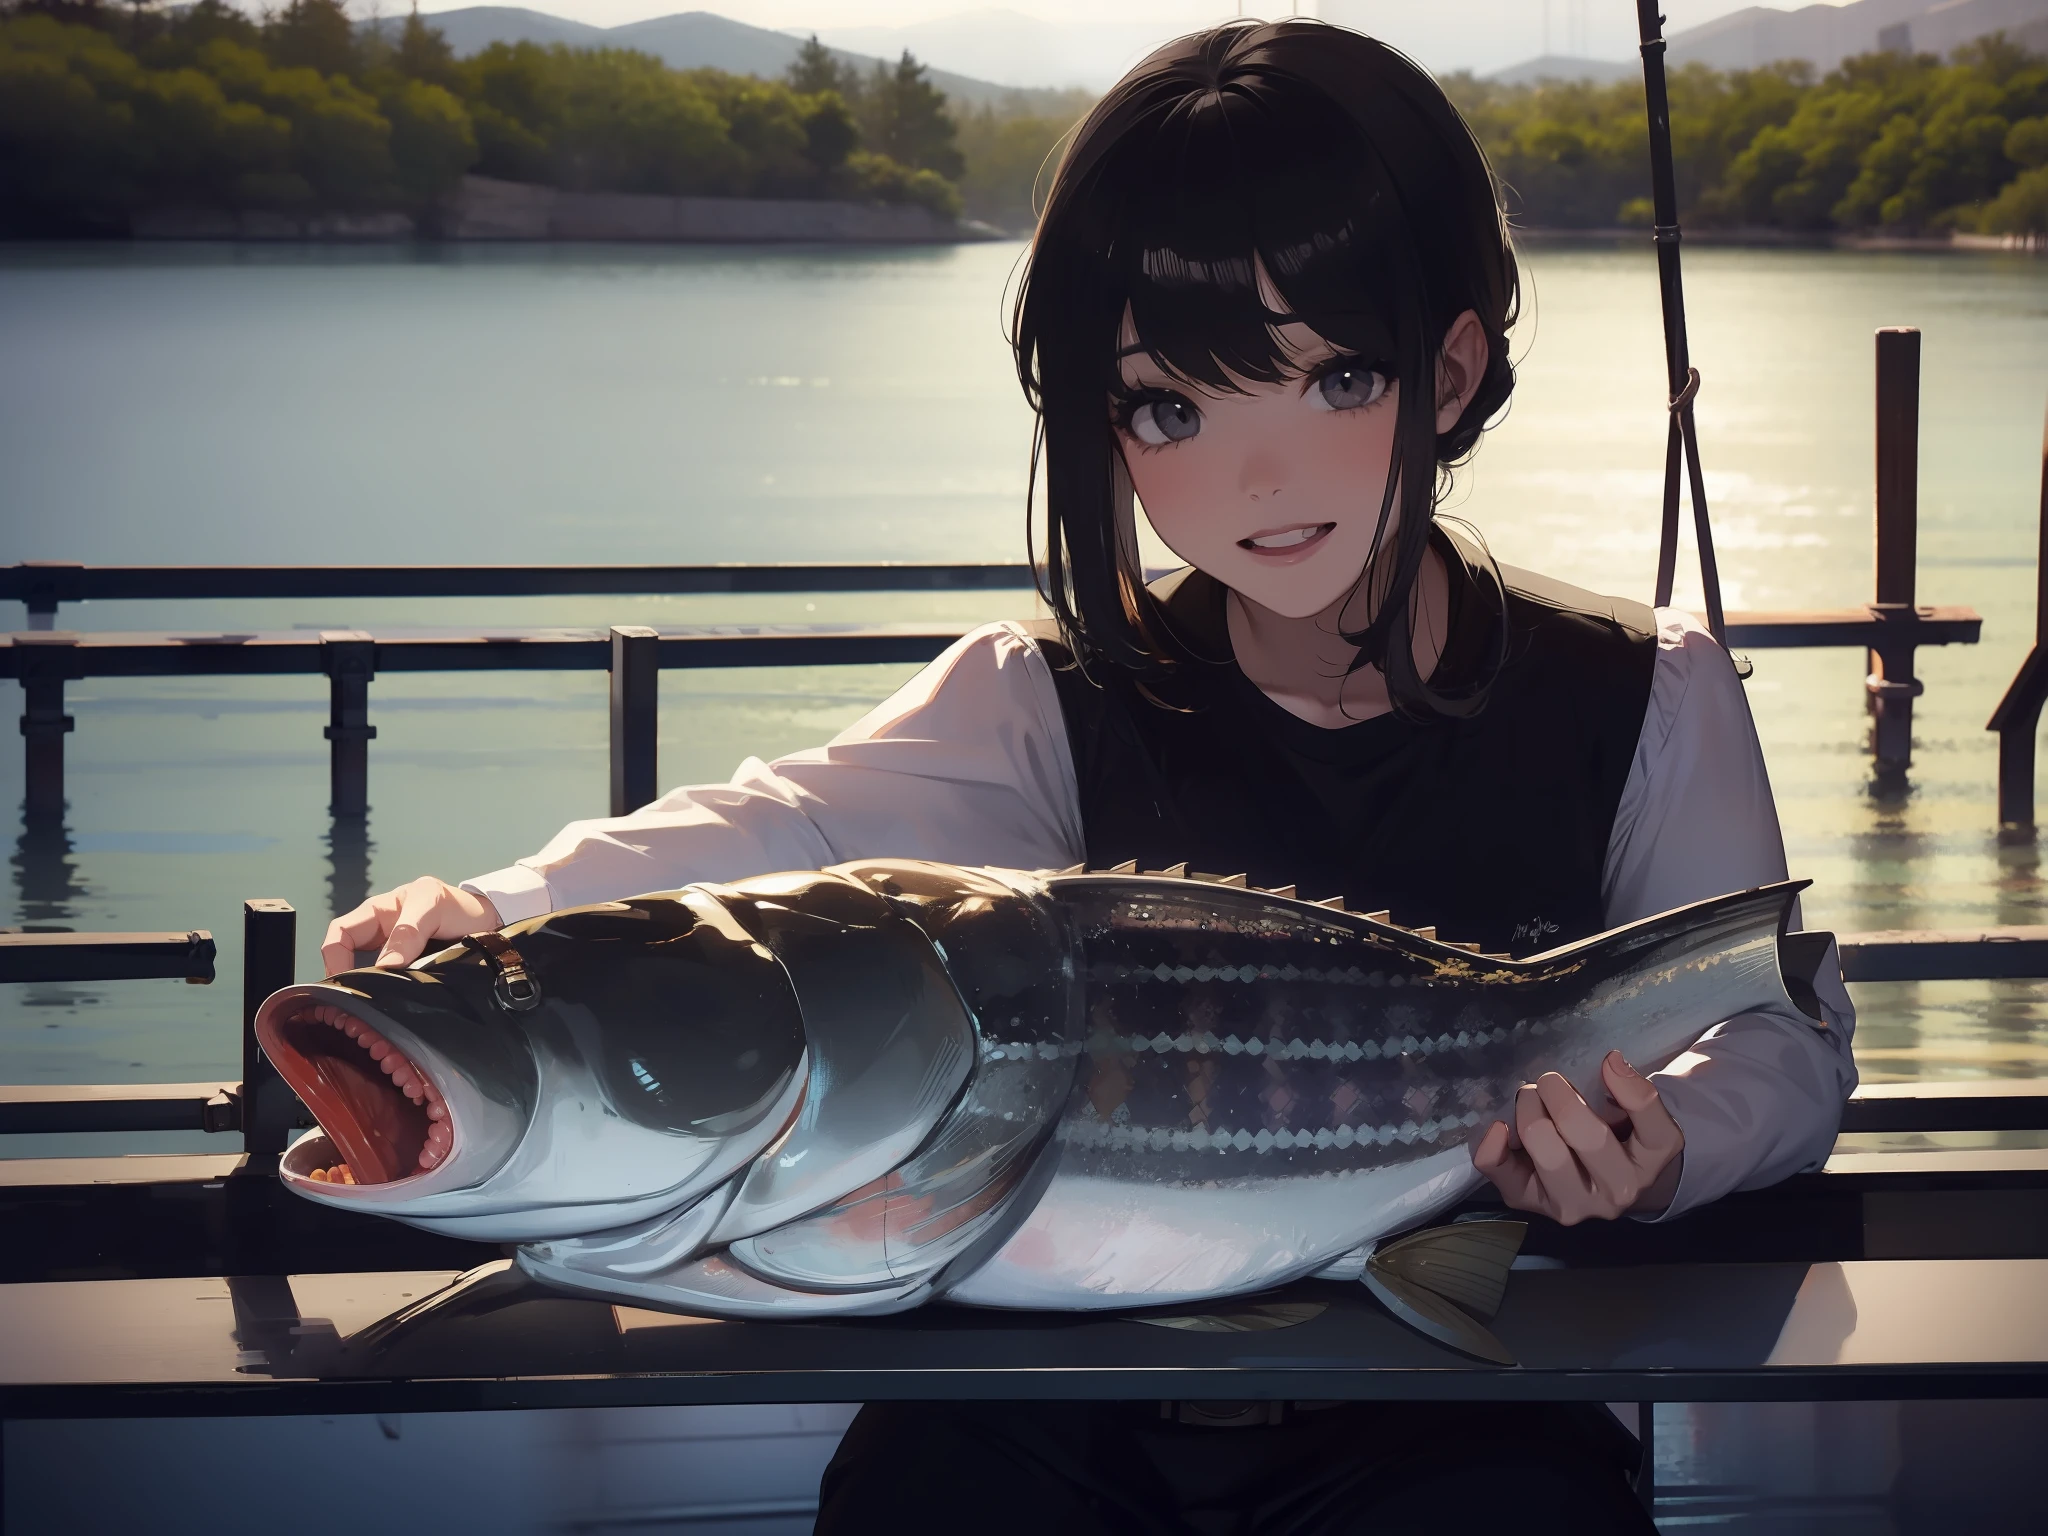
{"points": [[1334, 166]]}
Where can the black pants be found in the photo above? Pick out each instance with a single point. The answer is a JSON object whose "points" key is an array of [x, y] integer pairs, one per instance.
{"points": [[1120, 1469]]}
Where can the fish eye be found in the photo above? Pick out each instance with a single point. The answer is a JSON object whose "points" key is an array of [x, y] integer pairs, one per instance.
{"points": [[1347, 384], [1162, 418]]}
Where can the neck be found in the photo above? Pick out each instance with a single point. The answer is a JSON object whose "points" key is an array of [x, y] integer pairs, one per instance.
{"points": [[1305, 664]]}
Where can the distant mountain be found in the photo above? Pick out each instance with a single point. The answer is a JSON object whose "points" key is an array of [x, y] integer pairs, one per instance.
{"points": [[694, 40], [1015, 49], [1555, 66], [475, 29], [1824, 35]]}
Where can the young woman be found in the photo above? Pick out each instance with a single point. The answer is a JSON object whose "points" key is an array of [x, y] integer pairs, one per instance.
{"points": [[1269, 302]]}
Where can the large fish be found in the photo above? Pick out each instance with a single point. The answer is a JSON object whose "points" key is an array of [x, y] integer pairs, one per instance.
{"points": [[853, 1090]]}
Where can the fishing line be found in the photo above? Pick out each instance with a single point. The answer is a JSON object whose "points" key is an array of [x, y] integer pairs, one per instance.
{"points": [[1681, 442]]}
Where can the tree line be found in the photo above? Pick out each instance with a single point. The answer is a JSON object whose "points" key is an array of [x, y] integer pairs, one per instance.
{"points": [[106, 112], [1888, 141]]}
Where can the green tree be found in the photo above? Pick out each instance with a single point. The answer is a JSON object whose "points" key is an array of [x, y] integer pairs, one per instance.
{"points": [[433, 142], [1009, 157], [313, 34], [423, 53], [194, 26], [905, 118], [816, 70], [830, 132], [67, 152], [630, 124]]}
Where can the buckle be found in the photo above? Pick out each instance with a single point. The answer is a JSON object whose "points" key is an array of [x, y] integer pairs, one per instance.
{"points": [[512, 987]]}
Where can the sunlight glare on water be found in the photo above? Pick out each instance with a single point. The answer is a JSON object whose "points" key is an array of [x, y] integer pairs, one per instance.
{"points": [[197, 405]]}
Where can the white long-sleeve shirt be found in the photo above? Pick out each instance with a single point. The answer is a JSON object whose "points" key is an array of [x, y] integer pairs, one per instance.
{"points": [[968, 763]]}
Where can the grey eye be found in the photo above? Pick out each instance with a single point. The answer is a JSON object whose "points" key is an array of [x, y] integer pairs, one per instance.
{"points": [[1350, 387], [1167, 420]]}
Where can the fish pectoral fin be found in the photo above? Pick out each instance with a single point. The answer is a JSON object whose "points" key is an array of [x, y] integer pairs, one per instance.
{"points": [[1430, 1314], [1466, 1262]]}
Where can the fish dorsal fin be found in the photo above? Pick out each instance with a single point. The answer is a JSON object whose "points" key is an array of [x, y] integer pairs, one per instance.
{"points": [[1128, 867], [1334, 903], [1384, 915], [1236, 880], [1072, 869], [1437, 1279], [1175, 872], [1281, 890], [1427, 931]]}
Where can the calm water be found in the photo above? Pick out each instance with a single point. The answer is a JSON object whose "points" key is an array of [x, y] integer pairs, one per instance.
{"points": [[222, 405]]}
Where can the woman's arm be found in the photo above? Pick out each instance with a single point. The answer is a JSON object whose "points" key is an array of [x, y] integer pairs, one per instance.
{"points": [[967, 762], [1760, 1097]]}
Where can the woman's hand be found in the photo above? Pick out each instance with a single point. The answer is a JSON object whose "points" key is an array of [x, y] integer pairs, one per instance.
{"points": [[1563, 1161], [401, 924]]}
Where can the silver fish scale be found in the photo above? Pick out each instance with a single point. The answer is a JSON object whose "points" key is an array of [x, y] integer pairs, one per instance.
{"points": [[1225, 1030]]}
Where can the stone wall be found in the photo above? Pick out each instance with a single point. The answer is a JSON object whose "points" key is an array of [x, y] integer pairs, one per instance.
{"points": [[486, 209]]}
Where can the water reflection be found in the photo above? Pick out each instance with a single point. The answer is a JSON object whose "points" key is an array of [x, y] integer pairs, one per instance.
{"points": [[47, 884], [348, 858]]}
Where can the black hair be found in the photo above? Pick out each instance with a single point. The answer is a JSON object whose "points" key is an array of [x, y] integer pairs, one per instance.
{"points": [[1338, 167]]}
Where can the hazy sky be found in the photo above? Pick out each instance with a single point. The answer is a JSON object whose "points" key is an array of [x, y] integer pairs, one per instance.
{"points": [[1098, 40], [1603, 16]]}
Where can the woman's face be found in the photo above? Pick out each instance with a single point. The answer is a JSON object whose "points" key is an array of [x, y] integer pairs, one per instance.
{"points": [[1276, 490]]}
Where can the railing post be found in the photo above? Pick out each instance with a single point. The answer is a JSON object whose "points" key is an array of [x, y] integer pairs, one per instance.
{"points": [[2018, 716], [1891, 684], [636, 704], [349, 658], [50, 582], [46, 664], [269, 1107]]}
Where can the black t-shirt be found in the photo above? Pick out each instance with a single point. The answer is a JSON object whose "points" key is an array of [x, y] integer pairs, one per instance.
{"points": [[1493, 827]]}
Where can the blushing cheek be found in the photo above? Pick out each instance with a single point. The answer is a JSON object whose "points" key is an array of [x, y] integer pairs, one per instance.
{"points": [[1186, 500]]}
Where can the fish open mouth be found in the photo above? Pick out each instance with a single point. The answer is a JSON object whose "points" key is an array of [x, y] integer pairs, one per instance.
{"points": [[383, 1118]]}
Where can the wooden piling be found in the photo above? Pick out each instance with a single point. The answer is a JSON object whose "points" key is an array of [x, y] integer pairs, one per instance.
{"points": [[48, 660], [636, 704], [349, 658], [1891, 684]]}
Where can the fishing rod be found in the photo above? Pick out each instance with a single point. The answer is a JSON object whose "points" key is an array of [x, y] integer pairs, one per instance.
{"points": [[1682, 446]]}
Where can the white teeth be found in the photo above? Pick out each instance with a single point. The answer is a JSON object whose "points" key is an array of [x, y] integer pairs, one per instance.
{"points": [[1289, 539], [405, 1077]]}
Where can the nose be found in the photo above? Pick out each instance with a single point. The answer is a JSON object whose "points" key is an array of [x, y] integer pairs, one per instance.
{"points": [[1262, 476]]}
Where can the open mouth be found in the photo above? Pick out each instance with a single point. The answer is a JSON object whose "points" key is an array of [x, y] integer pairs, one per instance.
{"points": [[384, 1118], [1287, 543]]}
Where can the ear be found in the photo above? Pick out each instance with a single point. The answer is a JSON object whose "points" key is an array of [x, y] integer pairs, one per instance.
{"points": [[1461, 368]]}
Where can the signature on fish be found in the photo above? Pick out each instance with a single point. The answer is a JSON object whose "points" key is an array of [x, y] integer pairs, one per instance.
{"points": [[1534, 931]]}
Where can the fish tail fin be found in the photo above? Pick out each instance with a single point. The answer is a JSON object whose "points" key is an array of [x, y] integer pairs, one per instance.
{"points": [[1437, 1279]]}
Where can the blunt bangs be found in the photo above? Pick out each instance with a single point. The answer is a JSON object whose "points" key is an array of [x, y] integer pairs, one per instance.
{"points": [[1215, 236]]}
